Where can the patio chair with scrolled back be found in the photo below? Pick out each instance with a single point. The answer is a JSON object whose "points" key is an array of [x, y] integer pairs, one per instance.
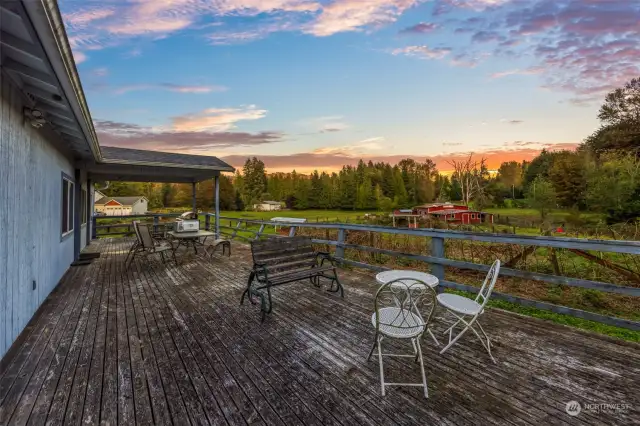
{"points": [[146, 245], [404, 309], [467, 311]]}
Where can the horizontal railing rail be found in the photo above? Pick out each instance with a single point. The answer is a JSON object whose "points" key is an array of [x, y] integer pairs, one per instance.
{"points": [[103, 226], [435, 239]]}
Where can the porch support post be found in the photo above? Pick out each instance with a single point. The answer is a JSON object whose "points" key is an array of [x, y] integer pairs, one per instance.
{"points": [[193, 197], [437, 250], [77, 211], [216, 199], [89, 208]]}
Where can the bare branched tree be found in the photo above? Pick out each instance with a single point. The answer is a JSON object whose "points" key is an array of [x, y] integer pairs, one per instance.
{"points": [[463, 170]]}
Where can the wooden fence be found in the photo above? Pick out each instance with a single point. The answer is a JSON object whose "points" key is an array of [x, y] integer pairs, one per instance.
{"points": [[618, 262]]}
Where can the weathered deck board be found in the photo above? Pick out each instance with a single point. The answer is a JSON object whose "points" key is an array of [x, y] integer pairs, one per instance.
{"points": [[172, 345]]}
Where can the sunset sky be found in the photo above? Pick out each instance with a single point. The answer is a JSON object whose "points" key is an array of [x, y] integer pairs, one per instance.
{"points": [[311, 84]]}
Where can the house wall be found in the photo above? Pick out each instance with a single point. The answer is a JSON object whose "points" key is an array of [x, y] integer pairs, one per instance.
{"points": [[267, 207], [31, 247], [140, 207], [86, 227], [114, 210]]}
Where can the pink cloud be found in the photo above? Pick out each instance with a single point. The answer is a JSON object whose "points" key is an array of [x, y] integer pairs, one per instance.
{"points": [[100, 72], [127, 135], [353, 15], [81, 18], [178, 88], [421, 28], [334, 161], [79, 57], [423, 52], [216, 119], [528, 71]]}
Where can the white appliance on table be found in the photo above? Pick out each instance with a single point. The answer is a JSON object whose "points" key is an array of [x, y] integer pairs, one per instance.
{"points": [[186, 223]]}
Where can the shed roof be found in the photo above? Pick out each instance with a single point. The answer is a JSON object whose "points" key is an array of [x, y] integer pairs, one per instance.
{"points": [[454, 211], [426, 206]]}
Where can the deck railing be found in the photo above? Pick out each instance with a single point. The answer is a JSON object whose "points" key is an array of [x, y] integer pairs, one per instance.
{"points": [[593, 266]]}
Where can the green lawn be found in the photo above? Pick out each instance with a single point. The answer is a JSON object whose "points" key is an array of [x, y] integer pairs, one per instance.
{"points": [[609, 330], [310, 215], [534, 215]]}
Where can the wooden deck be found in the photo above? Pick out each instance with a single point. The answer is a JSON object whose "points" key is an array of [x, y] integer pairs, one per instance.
{"points": [[171, 345]]}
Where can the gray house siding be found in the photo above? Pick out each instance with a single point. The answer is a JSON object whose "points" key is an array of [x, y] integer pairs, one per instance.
{"points": [[32, 251]]}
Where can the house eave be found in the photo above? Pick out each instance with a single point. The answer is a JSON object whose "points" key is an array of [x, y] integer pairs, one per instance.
{"points": [[170, 165], [65, 62], [36, 59]]}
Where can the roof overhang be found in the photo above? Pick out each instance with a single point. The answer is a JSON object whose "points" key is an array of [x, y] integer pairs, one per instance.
{"points": [[36, 56], [146, 173], [134, 165]]}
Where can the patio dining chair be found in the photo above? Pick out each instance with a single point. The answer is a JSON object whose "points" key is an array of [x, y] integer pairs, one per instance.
{"points": [[137, 241], [468, 310], [403, 310], [147, 245]]}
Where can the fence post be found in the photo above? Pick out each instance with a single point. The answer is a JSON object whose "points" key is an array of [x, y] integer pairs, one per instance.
{"points": [[94, 222], [207, 221], [156, 221], [339, 247], [235, 231], [259, 232], [437, 250], [292, 231]]}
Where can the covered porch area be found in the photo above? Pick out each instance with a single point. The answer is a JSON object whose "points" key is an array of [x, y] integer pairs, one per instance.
{"points": [[170, 345], [132, 165]]}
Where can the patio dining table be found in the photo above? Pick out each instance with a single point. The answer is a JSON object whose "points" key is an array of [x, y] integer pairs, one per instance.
{"points": [[190, 239]]}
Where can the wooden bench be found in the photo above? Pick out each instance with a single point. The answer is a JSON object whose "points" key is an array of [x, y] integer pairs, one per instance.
{"points": [[278, 261]]}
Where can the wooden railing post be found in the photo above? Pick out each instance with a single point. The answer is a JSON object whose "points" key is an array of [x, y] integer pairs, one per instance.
{"points": [[437, 250], [340, 247], [260, 232], [207, 221], [235, 231], [156, 222], [94, 222]]}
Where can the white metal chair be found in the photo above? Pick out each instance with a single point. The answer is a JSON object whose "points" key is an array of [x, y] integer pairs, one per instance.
{"points": [[147, 245], [398, 306], [467, 310]]}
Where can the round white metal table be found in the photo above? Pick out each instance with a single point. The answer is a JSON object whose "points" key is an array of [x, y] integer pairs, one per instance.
{"points": [[392, 275]]}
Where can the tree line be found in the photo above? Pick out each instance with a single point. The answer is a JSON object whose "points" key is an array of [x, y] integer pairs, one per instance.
{"points": [[602, 175]]}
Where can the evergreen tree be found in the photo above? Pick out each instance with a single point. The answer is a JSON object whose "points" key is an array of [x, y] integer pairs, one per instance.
{"points": [[255, 181], [399, 191], [348, 188]]}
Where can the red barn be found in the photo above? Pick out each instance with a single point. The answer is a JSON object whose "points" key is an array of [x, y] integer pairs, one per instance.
{"points": [[454, 213], [437, 207]]}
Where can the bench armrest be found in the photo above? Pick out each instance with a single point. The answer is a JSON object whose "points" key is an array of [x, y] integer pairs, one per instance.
{"points": [[323, 255]]}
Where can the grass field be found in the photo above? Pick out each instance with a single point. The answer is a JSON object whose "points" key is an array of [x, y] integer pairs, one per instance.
{"points": [[557, 215], [310, 215]]}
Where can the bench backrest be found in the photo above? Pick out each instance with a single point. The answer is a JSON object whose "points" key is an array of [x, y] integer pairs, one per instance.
{"points": [[275, 253]]}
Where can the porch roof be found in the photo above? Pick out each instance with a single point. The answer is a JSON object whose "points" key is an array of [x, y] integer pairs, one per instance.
{"points": [[124, 164]]}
